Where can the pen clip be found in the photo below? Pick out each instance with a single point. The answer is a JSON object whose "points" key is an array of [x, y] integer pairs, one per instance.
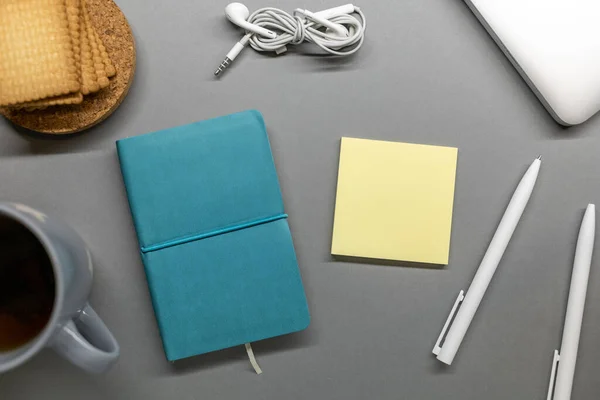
{"points": [[553, 374], [459, 299]]}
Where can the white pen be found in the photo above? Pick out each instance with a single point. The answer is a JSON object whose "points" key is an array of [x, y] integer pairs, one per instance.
{"points": [[567, 357], [470, 302]]}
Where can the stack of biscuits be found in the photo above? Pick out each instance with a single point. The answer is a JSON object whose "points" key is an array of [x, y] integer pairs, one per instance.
{"points": [[50, 54]]}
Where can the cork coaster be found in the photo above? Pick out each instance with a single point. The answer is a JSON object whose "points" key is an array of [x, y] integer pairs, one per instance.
{"points": [[114, 32]]}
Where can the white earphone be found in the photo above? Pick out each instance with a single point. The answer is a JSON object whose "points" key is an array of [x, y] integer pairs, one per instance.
{"points": [[323, 17], [238, 14], [336, 30]]}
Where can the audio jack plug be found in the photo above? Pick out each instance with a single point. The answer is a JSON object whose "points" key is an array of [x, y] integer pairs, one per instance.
{"points": [[233, 53]]}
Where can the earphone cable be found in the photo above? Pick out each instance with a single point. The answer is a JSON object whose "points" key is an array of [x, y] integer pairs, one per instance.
{"points": [[296, 29]]}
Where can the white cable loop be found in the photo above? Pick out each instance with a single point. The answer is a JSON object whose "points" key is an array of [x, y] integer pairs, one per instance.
{"points": [[337, 31], [295, 30]]}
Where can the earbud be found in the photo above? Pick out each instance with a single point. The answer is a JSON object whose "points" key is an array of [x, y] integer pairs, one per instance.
{"points": [[323, 17], [238, 14], [340, 30], [336, 11]]}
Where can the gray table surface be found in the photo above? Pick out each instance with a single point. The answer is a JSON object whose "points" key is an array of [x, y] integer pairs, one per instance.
{"points": [[428, 73]]}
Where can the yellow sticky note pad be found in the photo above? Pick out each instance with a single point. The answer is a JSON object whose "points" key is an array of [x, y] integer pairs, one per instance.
{"points": [[394, 201]]}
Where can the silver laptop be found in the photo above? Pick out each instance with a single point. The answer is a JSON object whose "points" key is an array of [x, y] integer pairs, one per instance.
{"points": [[555, 45]]}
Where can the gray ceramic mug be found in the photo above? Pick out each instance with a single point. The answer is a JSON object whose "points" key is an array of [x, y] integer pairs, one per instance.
{"points": [[74, 330]]}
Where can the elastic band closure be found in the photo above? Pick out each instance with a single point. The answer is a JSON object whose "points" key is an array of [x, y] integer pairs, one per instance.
{"points": [[253, 359], [193, 238]]}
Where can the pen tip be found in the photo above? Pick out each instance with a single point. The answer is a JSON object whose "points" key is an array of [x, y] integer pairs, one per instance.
{"points": [[539, 158]]}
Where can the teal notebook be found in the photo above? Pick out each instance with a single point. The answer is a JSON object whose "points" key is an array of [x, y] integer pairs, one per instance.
{"points": [[213, 234]]}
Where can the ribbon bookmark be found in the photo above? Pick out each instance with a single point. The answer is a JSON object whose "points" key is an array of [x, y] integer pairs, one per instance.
{"points": [[253, 359]]}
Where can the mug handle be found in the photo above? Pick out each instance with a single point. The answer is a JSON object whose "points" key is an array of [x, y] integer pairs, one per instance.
{"points": [[87, 343]]}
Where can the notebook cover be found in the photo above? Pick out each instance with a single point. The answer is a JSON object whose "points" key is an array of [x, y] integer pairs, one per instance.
{"points": [[214, 239], [394, 201]]}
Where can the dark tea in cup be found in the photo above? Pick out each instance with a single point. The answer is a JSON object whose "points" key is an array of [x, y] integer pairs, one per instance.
{"points": [[27, 285]]}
